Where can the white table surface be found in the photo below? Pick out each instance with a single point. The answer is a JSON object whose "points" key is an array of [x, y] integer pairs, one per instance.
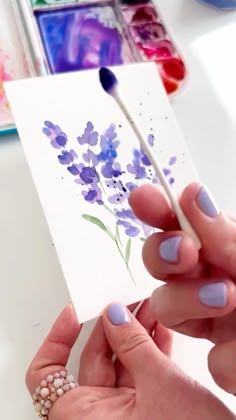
{"points": [[32, 286]]}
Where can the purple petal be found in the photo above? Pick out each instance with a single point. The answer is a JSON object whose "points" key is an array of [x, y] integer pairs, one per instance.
{"points": [[166, 171], [172, 160], [151, 139], [49, 124], [131, 186], [73, 169], [132, 231]]}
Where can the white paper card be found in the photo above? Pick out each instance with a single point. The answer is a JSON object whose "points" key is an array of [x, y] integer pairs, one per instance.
{"points": [[85, 160]]}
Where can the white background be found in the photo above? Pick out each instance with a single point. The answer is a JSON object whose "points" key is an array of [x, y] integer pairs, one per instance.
{"points": [[32, 287]]}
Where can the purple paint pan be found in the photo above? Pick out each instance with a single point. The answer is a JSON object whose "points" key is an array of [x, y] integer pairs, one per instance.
{"points": [[81, 38]]}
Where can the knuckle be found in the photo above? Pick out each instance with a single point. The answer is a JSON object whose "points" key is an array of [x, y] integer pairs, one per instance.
{"points": [[134, 341]]}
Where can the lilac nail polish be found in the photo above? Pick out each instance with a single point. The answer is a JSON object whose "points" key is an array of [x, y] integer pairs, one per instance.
{"points": [[206, 203], [213, 295], [118, 314], [169, 249]]}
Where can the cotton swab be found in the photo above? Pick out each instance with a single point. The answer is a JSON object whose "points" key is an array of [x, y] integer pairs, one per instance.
{"points": [[110, 84]]}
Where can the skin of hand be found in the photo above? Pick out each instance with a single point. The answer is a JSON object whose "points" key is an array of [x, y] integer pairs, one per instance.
{"points": [[142, 383], [199, 297]]}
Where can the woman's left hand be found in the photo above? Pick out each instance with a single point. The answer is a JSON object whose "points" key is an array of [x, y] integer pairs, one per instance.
{"points": [[141, 384]]}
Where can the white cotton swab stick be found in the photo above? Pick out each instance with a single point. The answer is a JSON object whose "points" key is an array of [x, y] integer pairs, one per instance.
{"points": [[109, 83]]}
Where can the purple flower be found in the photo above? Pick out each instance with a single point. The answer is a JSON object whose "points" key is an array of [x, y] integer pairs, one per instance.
{"points": [[93, 195], [111, 170], [109, 145], [67, 157], [74, 169], [89, 136], [89, 175], [55, 134], [130, 230]]}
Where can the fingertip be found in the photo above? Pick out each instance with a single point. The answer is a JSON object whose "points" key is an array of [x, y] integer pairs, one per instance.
{"points": [[150, 204], [169, 253]]}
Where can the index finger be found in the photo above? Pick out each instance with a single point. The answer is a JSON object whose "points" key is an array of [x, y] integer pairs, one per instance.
{"points": [[151, 205], [54, 353]]}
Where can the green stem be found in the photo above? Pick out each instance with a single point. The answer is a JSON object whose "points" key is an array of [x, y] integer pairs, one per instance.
{"points": [[127, 265]]}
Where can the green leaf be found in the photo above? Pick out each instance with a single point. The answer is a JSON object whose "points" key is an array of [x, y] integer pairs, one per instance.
{"points": [[95, 221], [127, 251], [118, 234], [98, 223]]}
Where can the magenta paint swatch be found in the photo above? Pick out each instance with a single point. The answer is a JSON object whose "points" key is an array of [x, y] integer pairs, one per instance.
{"points": [[82, 37], [153, 42]]}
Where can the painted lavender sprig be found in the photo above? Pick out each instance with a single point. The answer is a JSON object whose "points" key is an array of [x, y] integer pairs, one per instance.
{"points": [[103, 181]]}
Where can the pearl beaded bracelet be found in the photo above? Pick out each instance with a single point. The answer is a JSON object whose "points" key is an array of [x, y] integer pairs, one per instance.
{"points": [[49, 390]]}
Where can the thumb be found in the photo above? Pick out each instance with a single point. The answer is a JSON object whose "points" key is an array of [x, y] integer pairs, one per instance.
{"points": [[222, 365], [131, 343]]}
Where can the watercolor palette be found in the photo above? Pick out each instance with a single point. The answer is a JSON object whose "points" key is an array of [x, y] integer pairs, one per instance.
{"points": [[60, 36]]}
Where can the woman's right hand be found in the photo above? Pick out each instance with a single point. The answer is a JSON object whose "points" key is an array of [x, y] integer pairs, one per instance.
{"points": [[199, 298]]}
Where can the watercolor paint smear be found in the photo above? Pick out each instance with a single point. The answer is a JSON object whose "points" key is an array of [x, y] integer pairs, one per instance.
{"points": [[12, 60], [82, 38], [139, 14]]}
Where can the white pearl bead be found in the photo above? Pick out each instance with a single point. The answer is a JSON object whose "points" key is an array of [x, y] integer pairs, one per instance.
{"points": [[44, 392], [72, 385], [70, 379], [66, 387], [48, 404], [63, 374], [53, 397], [38, 407], [53, 389], [57, 383], [43, 384], [60, 392], [37, 391], [44, 411], [35, 397], [56, 375], [50, 378]]}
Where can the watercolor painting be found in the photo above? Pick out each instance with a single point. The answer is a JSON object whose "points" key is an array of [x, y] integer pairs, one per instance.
{"points": [[85, 160], [82, 38], [95, 167]]}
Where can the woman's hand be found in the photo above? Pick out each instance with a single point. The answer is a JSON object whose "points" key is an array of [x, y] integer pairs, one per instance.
{"points": [[142, 384], [199, 298]]}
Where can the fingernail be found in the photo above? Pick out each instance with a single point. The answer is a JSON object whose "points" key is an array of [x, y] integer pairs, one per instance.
{"points": [[169, 249], [213, 294], [118, 314], [206, 203]]}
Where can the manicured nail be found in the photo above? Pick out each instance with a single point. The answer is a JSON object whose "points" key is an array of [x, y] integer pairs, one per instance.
{"points": [[169, 249], [206, 203], [213, 294], [118, 314]]}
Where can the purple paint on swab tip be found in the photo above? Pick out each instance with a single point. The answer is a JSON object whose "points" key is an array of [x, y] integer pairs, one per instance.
{"points": [[107, 79]]}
